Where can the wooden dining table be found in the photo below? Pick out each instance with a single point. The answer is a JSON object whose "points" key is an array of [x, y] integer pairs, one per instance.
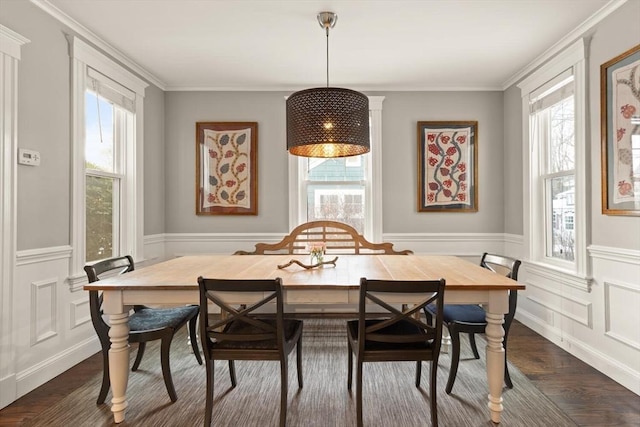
{"points": [[174, 282]]}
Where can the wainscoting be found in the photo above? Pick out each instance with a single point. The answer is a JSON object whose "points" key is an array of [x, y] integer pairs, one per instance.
{"points": [[599, 323]]}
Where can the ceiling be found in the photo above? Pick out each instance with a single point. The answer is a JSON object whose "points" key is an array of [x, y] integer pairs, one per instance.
{"points": [[375, 45]]}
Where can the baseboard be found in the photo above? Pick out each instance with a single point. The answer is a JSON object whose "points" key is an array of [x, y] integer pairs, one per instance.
{"points": [[36, 375], [7, 390], [591, 356]]}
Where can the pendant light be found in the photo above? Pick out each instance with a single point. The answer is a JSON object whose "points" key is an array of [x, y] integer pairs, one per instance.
{"points": [[327, 121]]}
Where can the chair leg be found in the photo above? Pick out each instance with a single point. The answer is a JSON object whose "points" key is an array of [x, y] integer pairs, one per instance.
{"points": [[455, 358], [359, 392], [136, 363], [232, 373], [474, 347], [418, 372], [284, 376], [104, 389], [350, 366], [166, 367], [208, 408], [194, 339], [299, 360], [507, 377], [433, 392]]}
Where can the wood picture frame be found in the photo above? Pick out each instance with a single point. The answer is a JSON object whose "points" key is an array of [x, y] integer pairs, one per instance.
{"points": [[226, 168], [620, 133], [447, 166]]}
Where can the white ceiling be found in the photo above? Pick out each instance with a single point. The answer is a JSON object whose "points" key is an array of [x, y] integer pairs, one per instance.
{"points": [[376, 45]]}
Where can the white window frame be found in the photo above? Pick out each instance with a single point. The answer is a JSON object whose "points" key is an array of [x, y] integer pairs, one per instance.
{"points": [[131, 233], [578, 272], [373, 180]]}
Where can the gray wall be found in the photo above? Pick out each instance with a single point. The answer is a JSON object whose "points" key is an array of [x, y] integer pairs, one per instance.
{"points": [[44, 124], [618, 33], [183, 110], [401, 111], [615, 35], [513, 179]]}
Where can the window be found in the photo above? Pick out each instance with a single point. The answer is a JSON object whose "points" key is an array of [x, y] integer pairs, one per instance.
{"points": [[107, 167], [554, 123], [343, 189]]}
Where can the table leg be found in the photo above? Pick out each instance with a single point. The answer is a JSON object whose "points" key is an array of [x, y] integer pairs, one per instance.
{"points": [[119, 363], [495, 363]]}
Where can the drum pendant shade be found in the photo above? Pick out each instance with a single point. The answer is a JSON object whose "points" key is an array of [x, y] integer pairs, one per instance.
{"points": [[327, 121]]}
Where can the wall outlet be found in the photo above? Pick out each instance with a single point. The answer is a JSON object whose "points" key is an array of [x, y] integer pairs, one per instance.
{"points": [[28, 157]]}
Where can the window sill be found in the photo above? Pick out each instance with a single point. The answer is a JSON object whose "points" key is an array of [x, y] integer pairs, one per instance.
{"points": [[557, 274]]}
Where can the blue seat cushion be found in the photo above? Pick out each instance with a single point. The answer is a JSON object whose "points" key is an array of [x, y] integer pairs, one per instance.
{"points": [[147, 319], [399, 328], [470, 313]]}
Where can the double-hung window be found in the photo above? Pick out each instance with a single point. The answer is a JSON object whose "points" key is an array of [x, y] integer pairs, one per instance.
{"points": [[107, 159], [555, 163], [345, 189]]}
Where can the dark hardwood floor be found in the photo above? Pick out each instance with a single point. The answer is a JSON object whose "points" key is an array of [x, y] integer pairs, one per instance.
{"points": [[584, 394]]}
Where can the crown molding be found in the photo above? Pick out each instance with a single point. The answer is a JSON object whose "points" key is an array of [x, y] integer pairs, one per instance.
{"points": [[98, 42], [591, 22]]}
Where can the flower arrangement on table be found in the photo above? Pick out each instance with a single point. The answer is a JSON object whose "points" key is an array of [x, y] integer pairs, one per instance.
{"points": [[316, 251]]}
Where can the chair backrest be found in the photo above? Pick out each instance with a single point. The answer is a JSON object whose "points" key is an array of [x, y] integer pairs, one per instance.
{"points": [[337, 237], [506, 266], [255, 294], [388, 294], [118, 265]]}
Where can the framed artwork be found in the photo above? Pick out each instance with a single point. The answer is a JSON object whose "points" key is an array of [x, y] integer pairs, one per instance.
{"points": [[448, 166], [620, 139], [226, 168]]}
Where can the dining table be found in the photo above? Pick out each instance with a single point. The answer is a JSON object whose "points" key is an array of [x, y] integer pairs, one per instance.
{"points": [[174, 282]]}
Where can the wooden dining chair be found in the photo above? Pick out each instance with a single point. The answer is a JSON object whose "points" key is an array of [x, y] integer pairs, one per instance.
{"points": [[244, 335], [396, 334], [145, 324], [471, 318]]}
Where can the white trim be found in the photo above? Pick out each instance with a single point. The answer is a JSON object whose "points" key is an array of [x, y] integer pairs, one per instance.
{"points": [[591, 22], [10, 50], [568, 278], [588, 306], [573, 57], [38, 374], [97, 41], [35, 256], [359, 88], [84, 56], [37, 335], [628, 256], [607, 312], [11, 42], [588, 354]]}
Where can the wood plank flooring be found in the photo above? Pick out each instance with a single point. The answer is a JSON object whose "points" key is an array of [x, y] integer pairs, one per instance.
{"points": [[584, 394]]}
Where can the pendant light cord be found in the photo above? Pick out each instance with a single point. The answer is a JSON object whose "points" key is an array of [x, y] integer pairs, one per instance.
{"points": [[327, 30]]}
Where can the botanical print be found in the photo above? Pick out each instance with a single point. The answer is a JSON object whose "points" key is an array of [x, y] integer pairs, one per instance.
{"points": [[226, 168], [626, 161], [446, 161]]}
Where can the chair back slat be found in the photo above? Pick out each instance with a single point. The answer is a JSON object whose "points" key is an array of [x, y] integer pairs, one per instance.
{"points": [[265, 291], [376, 293]]}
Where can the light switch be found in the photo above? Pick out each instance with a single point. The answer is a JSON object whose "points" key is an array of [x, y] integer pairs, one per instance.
{"points": [[28, 157]]}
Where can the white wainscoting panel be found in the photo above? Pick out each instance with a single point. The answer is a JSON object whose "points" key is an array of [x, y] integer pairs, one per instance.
{"points": [[52, 331], [596, 319], [622, 325], [44, 314], [79, 313]]}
